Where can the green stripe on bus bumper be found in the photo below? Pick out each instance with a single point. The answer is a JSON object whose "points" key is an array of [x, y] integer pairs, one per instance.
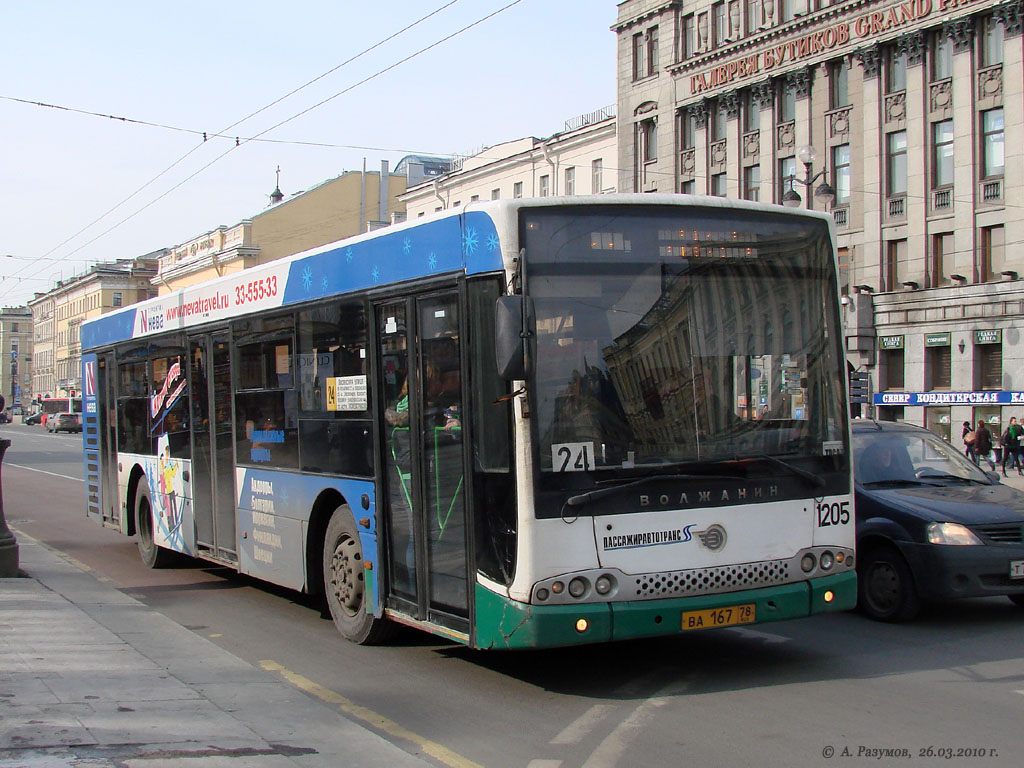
{"points": [[506, 624]]}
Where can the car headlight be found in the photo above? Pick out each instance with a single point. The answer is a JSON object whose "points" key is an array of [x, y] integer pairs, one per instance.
{"points": [[951, 533]]}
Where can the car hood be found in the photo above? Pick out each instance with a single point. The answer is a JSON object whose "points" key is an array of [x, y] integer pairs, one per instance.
{"points": [[958, 503]]}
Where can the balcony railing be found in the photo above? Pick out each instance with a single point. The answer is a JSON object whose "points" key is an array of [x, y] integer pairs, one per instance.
{"points": [[992, 190], [841, 216], [896, 207], [942, 199]]}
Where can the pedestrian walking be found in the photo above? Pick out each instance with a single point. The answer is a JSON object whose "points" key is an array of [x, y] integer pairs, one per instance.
{"points": [[983, 445], [1010, 440], [968, 437]]}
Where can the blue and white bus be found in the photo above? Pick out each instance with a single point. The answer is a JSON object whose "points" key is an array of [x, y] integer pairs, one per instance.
{"points": [[516, 424]]}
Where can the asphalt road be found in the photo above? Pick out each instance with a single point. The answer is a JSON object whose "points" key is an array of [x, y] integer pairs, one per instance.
{"points": [[791, 694]]}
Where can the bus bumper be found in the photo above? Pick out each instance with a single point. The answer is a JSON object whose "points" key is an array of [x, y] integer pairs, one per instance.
{"points": [[506, 624]]}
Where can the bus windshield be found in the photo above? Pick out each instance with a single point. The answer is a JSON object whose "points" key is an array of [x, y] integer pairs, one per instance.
{"points": [[667, 337]]}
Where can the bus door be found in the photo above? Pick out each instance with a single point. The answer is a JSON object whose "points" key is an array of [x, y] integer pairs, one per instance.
{"points": [[106, 376], [420, 376], [213, 467]]}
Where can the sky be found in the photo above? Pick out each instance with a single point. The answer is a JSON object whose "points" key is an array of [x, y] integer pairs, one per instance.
{"points": [[77, 187]]}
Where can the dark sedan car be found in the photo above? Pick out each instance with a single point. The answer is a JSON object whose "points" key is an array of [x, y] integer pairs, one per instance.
{"points": [[930, 524], [35, 418]]}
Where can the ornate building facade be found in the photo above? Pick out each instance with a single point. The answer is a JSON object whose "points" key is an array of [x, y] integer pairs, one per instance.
{"points": [[914, 111]]}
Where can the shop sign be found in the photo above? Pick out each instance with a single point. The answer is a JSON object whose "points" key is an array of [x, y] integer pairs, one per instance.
{"points": [[936, 340], [994, 336], [866, 26], [890, 342], [949, 398]]}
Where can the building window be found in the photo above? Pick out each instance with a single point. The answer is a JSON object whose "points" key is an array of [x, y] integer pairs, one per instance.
{"points": [[688, 187], [839, 85], [896, 163], [688, 37], [570, 181], [496, 194], [893, 367], [719, 121], [719, 24], [940, 265], [988, 366], [991, 48], [719, 185], [942, 56], [895, 261], [517, 189], [117, 299], [751, 112], [545, 185], [786, 10], [752, 183], [645, 53], [942, 154], [595, 176], [754, 17], [992, 259], [896, 71], [992, 143], [648, 135], [938, 362], [841, 173], [786, 103], [787, 172]]}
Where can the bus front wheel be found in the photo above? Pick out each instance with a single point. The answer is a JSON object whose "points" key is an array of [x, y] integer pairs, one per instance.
{"points": [[344, 584], [153, 556]]}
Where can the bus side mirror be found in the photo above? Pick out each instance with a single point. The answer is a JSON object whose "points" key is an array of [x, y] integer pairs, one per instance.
{"points": [[511, 350]]}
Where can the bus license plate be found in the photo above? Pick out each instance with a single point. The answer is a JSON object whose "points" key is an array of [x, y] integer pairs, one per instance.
{"points": [[1017, 569], [719, 617]]}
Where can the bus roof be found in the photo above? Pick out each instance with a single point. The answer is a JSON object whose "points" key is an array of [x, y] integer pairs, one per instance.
{"points": [[474, 239]]}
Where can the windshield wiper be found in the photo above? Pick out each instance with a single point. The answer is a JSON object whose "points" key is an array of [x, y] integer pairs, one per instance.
{"points": [[810, 477], [958, 478], [898, 481], [583, 498]]}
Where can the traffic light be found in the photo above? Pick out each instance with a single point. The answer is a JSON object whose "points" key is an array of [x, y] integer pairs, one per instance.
{"points": [[859, 386]]}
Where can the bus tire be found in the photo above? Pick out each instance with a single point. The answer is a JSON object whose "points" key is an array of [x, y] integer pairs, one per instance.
{"points": [[344, 583], [153, 556]]}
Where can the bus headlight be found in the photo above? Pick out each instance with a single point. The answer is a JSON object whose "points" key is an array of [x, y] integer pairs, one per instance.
{"points": [[827, 560], [807, 562], [557, 587], [604, 584], [578, 587], [542, 594]]}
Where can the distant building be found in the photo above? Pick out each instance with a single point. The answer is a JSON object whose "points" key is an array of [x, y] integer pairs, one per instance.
{"points": [[16, 354], [420, 168], [578, 161], [57, 318], [346, 205]]}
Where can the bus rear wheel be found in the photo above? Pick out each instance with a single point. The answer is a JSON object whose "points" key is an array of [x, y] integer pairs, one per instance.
{"points": [[153, 555], [344, 583]]}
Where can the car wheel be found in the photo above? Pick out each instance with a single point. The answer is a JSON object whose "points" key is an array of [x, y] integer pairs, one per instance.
{"points": [[153, 555], [344, 584], [1017, 600], [885, 585]]}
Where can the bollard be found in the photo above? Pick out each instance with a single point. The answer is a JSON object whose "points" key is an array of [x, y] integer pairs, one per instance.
{"points": [[8, 544]]}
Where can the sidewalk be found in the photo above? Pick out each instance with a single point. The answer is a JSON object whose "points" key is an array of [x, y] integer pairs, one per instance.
{"points": [[92, 678]]}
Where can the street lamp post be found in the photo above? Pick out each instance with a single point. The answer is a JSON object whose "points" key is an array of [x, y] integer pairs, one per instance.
{"points": [[8, 543], [824, 193]]}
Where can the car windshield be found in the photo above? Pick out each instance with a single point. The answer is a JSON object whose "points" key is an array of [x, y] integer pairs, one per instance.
{"points": [[883, 456], [672, 336]]}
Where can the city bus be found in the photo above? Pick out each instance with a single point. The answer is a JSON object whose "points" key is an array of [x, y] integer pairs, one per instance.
{"points": [[515, 424], [51, 405]]}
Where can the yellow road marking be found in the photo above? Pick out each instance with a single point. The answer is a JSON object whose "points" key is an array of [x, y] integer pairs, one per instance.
{"points": [[379, 722]]}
